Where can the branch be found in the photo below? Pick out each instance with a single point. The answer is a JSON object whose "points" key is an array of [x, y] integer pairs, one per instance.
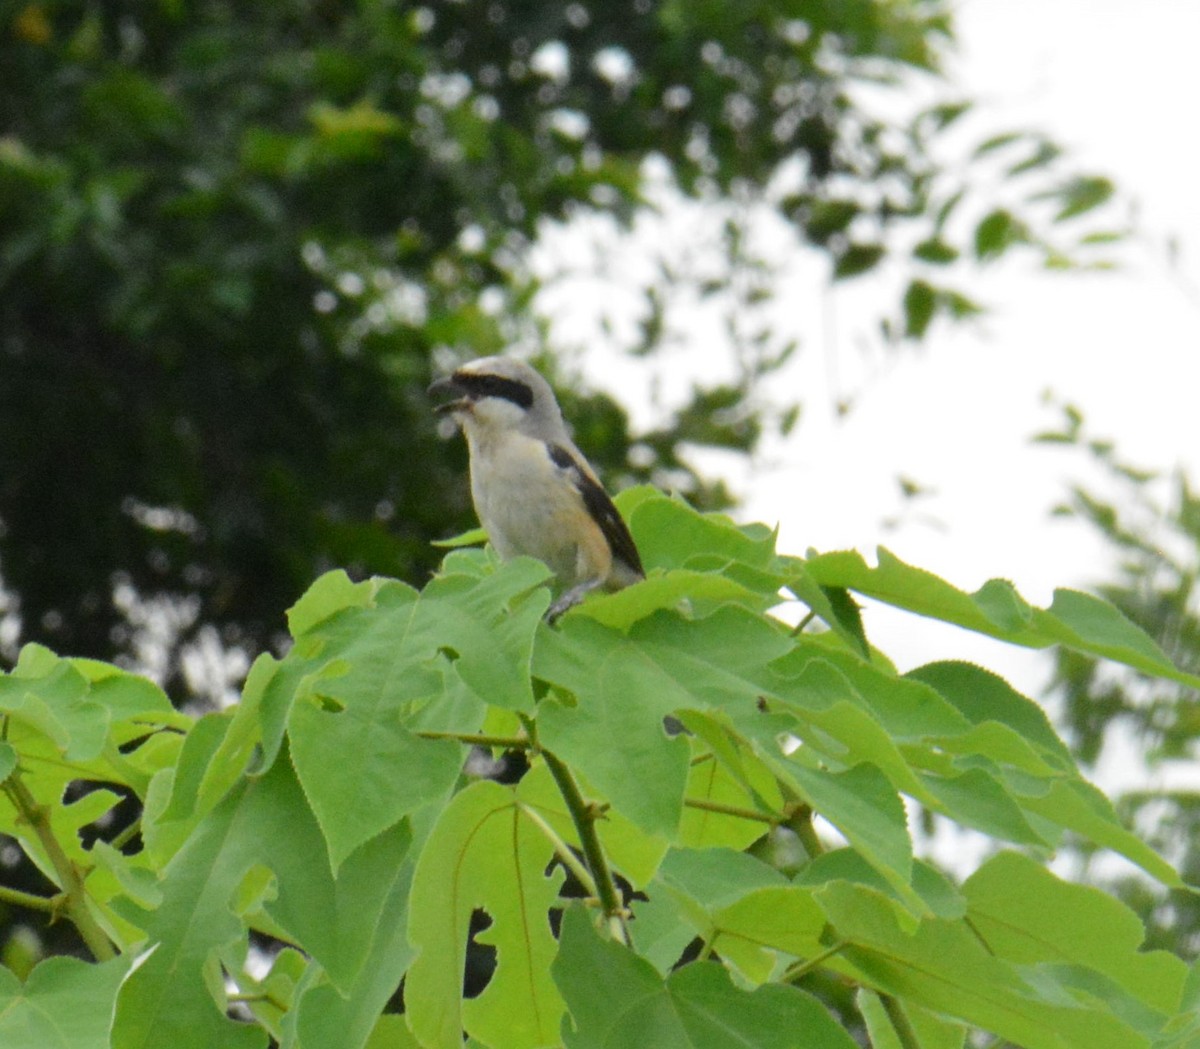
{"points": [[48, 904], [564, 851], [475, 739], [795, 972], [127, 834], [75, 902], [900, 1022], [800, 821], [731, 810], [583, 815]]}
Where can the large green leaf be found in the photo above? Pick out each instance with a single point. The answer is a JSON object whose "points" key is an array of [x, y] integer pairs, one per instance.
{"points": [[252, 855], [1027, 916], [623, 685], [743, 909], [64, 1004], [617, 1001], [363, 672], [483, 853], [943, 966], [1079, 621]]}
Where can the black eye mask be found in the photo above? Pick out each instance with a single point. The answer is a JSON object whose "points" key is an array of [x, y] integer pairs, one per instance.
{"points": [[479, 386]]}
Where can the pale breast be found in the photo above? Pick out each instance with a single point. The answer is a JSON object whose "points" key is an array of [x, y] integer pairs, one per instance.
{"points": [[523, 503]]}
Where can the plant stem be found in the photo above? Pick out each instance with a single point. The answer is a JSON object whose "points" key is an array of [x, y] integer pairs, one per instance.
{"points": [[798, 629], [900, 1022], [49, 904], [127, 835], [584, 817], [253, 997], [731, 810], [563, 849], [800, 821], [794, 972], [76, 900], [478, 740]]}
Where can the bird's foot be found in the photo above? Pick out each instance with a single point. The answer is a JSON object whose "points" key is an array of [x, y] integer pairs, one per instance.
{"points": [[570, 599]]}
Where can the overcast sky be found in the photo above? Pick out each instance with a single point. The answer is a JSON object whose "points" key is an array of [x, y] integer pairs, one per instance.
{"points": [[1116, 82]]}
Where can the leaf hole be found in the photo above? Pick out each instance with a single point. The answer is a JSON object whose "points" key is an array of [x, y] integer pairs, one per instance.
{"points": [[329, 704], [449, 652], [481, 957]]}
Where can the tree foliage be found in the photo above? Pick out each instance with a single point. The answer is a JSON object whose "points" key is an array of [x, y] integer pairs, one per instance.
{"points": [[1151, 526], [234, 237], [750, 880]]}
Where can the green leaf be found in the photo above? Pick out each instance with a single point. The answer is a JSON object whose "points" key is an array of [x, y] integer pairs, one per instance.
{"points": [[828, 217], [617, 1001], [625, 684], [849, 617], [8, 760], [863, 805], [391, 1033], [471, 537], [1078, 806], [329, 594], [1028, 916], [843, 616], [976, 799], [630, 850], [483, 854], [1079, 621], [678, 588], [879, 1026], [941, 896], [64, 1004], [920, 304], [396, 772], [714, 782], [360, 677], [935, 251], [1082, 195], [996, 233], [932, 1032], [1044, 153], [262, 828], [943, 967], [670, 534], [992, 704], [743, 909], [329, 1014], [857, 259]]}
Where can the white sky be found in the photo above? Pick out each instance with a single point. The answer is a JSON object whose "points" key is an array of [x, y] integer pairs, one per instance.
{"points": [[1114, 81]]}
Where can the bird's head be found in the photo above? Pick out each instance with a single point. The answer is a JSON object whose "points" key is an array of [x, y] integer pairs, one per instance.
{"points": [[493, 394]]}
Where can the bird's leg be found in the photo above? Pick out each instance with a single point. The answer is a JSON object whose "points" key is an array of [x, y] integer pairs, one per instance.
{"points": [[571, 598]]}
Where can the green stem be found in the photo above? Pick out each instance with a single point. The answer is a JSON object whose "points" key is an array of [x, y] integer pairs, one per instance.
{"points": [[798, 629], [76, 900], [583, 816], [900, 1022], [800, 821], [795, 972], [731, 810], [563, 849], [478, 740], [250, 998], [127, 835], [49, 904]]}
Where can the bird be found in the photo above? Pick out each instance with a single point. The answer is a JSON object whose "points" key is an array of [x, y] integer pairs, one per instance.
{"points": [[534, 492]]}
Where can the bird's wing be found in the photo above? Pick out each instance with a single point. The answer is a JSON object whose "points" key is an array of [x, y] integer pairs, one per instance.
{"points": [[599, 506]]}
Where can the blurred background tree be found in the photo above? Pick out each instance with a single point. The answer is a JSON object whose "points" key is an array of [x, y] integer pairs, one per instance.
{"points": [[236, 240], [1150, 526]]}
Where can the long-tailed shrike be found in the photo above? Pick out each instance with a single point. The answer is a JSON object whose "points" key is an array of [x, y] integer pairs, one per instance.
{"points": [[533, 490]]}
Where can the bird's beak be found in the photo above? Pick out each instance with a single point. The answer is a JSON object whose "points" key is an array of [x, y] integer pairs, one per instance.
{"points": [[445, 386]]}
